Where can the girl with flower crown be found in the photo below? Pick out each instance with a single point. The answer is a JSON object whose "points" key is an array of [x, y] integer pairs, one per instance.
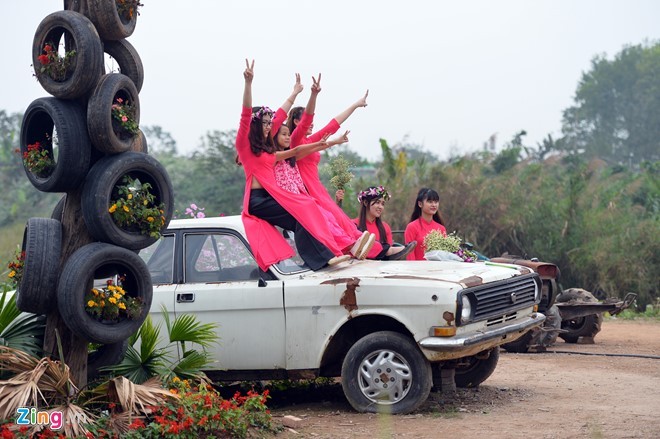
{"points": [[372, 203], [266, 205], [425, 217]]}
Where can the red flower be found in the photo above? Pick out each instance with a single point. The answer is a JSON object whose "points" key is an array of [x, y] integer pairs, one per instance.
{"points": [[47, 48], [43, 59]]}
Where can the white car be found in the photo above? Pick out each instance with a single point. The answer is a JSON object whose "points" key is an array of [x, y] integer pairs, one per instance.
{"points": [[387, 328]]}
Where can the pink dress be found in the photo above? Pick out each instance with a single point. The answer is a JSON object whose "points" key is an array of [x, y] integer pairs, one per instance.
{"points": [[417, 231], [268, 245], [288, 178], [309, 171]]}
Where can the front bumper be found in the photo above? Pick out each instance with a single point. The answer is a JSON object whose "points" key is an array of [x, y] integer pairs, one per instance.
{"points": [[483, 339]]}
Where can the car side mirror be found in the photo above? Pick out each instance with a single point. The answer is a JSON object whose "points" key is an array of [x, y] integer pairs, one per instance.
{"points": [[262, 283]]}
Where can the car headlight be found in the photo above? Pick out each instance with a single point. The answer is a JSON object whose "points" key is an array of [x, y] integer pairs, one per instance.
{"points": [[466, 310]]}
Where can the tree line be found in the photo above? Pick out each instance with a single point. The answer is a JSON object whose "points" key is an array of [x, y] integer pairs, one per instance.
{"points": [[588, 201]]}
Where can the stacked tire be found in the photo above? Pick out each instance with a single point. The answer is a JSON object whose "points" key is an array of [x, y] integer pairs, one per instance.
{"points": [[91, 155]]}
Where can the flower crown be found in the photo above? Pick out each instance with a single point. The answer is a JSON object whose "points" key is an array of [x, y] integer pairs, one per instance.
{"points": [[261, 112], [373, 192]]}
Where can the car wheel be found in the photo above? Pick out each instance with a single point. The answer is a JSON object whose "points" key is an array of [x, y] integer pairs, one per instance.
{"points": [[386, 372], [587, 326], [477, 369]]}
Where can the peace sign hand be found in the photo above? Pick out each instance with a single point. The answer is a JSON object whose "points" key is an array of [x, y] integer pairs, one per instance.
{"points": [[248, 74], [316, 85], [297, 87]]}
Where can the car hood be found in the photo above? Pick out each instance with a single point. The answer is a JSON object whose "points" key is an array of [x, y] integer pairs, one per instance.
{"points": [[467, 274]]}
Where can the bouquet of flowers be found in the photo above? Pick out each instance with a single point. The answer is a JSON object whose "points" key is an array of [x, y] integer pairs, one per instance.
{"points": [[443, 248], [111, 303]]}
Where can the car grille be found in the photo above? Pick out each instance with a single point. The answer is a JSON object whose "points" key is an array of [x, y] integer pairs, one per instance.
{"points": [[498, 299]]}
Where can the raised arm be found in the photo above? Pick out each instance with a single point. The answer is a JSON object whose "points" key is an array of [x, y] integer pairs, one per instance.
{"points": [[248, 74], [280, 115], [316, 89], [362, 102], [302, 150], [336, 141], [307, 117]]}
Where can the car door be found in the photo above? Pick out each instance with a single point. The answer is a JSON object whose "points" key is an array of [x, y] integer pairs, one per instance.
{"points": [[221, 284]]}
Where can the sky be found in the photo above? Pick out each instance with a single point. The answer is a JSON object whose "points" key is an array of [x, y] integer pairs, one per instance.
{"points": [[444, 75]]}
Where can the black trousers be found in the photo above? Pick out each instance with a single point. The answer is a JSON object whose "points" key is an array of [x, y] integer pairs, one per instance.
{"points": [[262, 205]]}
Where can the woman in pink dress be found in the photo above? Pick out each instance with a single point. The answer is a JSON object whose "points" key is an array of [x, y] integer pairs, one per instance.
{"points": [[425, 217], [266, 205], [372, 204]]}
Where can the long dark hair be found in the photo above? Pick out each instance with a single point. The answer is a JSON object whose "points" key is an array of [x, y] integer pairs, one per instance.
{"points": [[294, 113], [258, 143], [366, 200], [291, 160], [426, 194]]}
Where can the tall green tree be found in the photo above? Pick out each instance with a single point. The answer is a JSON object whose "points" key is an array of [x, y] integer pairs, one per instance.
{"points": [[617, 107]]}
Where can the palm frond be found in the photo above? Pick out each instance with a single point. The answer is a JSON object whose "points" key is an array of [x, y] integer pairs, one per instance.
{"points": [[136, 398], [25, 333], [137, 368], [22, 390], [8, 309], [74, 419], [186, 328], [192, 364]]}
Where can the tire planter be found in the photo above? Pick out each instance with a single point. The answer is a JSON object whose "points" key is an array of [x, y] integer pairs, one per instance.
{"points": [[110, 24], [385, 372], [41, 119], [105, 355], [77, 279], [105, 132], [128, 60], [587, 326], [98, 192], [42, 244], [478, 369], [140, 143], [79, 34]]}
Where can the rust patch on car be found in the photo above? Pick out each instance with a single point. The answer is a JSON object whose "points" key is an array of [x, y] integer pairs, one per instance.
{"points": [[338, 281], [472, 281], [348, 299]]}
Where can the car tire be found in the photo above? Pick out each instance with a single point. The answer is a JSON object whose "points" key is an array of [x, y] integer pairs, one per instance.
{"points": [[109, 24], [100, 123], [521, 345], [77, 279], [105, 355], [478, 369], [587, 326], [543, 337], [79, 35], [67, 118], [42, 244], [58, 210], [128, 60], [400, 362], [98, 192]]}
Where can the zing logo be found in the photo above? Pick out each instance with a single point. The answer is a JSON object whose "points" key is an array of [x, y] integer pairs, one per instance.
{"points": [[30, 416]]}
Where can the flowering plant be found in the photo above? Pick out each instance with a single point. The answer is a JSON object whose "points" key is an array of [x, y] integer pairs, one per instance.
{"points": [[374, 192], [128, 8], [52, 64], [38, 159], [124, 113], [195, 212], [451, 243], [111, 303], [340, 174], [136, 206], [15, 267]]}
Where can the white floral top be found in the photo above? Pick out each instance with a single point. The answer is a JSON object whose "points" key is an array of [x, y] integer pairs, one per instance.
{"points": [[288, 177]]}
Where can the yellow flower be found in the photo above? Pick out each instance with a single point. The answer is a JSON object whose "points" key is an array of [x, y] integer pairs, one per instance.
{"points": [[112, 287], [91, 304], [117, 296], [145, 202], [176, 379], [102, 303], [112, 208], [121, 305], [112, 300], [12, 273], [150, 219], [126, 209], [130, 196], [95, 291]]}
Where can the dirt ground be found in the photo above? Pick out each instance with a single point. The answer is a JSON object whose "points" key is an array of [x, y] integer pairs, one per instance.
{"points": [[560, 394]]}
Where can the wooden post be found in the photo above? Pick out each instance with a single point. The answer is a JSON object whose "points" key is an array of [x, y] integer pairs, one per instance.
{"points": [[74, 348]]}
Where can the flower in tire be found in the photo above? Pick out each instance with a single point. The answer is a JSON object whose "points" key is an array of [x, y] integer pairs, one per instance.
{"points": [[54, 65], [135, 207], [124, 114], [112, 304], [128, 8], [38, 159], [15, 267]]}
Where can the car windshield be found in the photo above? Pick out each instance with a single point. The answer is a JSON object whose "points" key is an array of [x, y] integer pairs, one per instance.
{"points": [[294, 264]]}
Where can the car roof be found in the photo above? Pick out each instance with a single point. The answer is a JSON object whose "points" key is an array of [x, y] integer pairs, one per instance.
{"points": [[231, 222]]}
